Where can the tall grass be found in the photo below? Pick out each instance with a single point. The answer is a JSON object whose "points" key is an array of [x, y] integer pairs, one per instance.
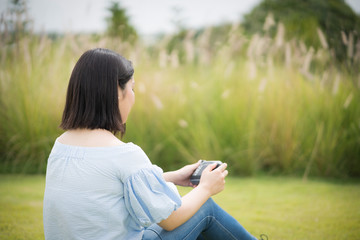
{"points": [[257, 103]]}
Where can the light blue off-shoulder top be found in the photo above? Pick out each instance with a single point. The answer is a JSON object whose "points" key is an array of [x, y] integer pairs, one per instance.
{"points": [[104, 193]]}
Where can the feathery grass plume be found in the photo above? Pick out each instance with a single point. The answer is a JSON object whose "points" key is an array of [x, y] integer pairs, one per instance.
{"points": [[336, 85], [306, 65], [322, 38], [280, 35], [303, 47], [194, 85], [162, 53], [75, 48], [141, 87], [269, 22], [3, 27], [350, 46], [43, 45], [234, 33], [189, 46], [204, 46], [225, 53], [319, 136], [348, 100], [262, 47], [225, 94], [103, 42], [344, 38], [236, 43], [234, 27], [262, 85], [133, 57], [163, 58], [157, 102], [321, 56], [258, 49], [3, 54], [174, 58], [297, 56], [251, 48], [25, 52], [357, 53], [4, 32], [288, 58], [229, 69], [324, 80], [236, 40], [270, 65], [252, 70], [182, 123]]}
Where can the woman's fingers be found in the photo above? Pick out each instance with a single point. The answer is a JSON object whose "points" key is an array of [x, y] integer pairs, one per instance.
{"points": [[222, 167], [197, 164], [210, 167]]}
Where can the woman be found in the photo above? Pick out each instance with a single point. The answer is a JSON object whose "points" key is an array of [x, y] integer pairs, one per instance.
{"points": [[98, 187]]}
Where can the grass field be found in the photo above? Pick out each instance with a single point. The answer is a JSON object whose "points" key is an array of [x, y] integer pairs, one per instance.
{"points": [[280, 207]]}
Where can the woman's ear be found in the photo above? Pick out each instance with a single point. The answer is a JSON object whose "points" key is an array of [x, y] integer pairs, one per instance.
{"points": [[120, 94]]}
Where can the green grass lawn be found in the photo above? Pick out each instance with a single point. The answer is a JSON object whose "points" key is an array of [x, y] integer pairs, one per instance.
{"points": [[280, 207]]}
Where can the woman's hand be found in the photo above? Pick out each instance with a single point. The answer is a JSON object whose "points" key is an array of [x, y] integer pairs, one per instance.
{"points": [[182, 176], [214, 180]]}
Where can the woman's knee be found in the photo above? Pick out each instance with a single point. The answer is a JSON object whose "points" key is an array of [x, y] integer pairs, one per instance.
{"points": [[150, 234], [205, 213], [209, 204]]}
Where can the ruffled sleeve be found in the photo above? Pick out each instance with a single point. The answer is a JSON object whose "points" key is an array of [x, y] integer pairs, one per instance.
{"points": [[148, 197]]}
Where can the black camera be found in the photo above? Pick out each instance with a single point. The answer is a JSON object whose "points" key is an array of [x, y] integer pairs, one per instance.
{"points": [[195, 177]]}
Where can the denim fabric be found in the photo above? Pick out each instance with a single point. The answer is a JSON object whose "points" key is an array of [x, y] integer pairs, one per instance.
{"points": [[210, 222]]}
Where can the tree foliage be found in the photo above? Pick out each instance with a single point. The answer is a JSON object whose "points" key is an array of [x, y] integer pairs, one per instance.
{"points": [[15, 22], [118, 23], [301, 19]]}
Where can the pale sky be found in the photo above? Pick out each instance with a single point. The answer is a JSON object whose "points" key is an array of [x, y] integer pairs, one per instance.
{"points": [[147, 16]]}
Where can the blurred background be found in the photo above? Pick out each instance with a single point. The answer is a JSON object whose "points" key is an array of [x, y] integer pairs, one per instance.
{"points": [[268, 86]]}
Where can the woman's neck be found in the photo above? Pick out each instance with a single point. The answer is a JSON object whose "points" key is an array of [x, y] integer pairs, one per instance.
{"points": [[89, 138]]}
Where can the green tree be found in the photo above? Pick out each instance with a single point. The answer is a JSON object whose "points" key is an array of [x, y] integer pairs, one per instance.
{"points": [[118, 24], [303, 18], [17, 22]]}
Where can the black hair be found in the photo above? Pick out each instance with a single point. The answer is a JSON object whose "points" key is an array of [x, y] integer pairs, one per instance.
{"points": [[92, 94]]}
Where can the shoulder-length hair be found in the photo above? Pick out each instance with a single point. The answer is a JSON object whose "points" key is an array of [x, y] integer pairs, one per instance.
{"points": [[92, 94]]}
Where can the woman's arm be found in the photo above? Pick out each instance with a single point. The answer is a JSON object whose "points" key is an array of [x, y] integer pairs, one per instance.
{"points": [[182, 176], [211, 183]]}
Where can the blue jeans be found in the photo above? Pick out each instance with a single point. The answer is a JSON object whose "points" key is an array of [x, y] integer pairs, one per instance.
{"points": [[210, 222]]}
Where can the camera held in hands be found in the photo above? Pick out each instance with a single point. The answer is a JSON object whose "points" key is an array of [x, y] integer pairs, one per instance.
{"points": [[195, 177]]}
